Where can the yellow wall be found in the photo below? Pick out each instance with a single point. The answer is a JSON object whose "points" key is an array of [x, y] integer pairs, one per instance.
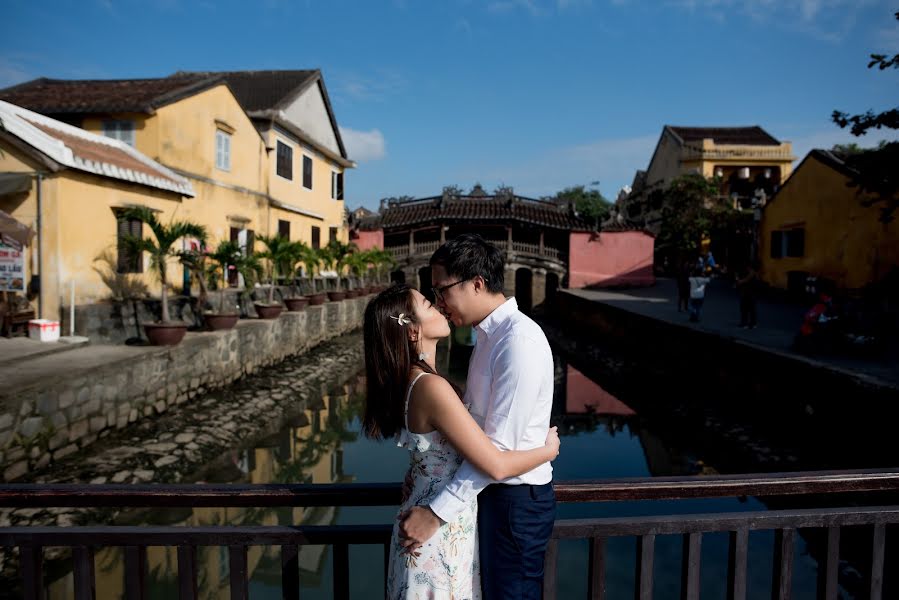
{"points": [[317, 200], [187, 138], [844, 241], [78, 224], [146, 130]]}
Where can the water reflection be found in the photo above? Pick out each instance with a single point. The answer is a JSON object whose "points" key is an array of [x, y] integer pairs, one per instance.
{"points": [[603, 437]]}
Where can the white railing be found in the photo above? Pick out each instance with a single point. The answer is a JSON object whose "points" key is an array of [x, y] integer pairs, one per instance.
{"points": [[737, 152], [517, 247]]}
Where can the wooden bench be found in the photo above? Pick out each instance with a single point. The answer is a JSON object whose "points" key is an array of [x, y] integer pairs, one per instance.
{"points": [[14, 323]]}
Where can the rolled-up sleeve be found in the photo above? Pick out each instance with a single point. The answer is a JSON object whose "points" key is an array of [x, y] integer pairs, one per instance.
{"points": [[517, 373]]}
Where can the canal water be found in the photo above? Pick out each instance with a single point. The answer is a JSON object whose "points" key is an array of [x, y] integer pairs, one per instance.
{"points": [[602, 437]]}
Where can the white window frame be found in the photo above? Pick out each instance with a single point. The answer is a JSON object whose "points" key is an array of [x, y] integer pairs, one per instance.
{"points": [[311, 172], [222, 150], [119, 129]]}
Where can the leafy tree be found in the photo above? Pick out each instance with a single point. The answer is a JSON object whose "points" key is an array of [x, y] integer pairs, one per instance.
{"points": [[691, 210], [589, 203], [160, 247], [878, 176]]}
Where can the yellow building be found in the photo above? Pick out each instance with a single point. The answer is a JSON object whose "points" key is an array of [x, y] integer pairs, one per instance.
{"points": [[818, 225], [746, 160], [261, 150], [70, 185]]}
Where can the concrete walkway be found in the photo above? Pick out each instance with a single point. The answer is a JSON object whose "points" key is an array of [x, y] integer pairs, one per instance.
{"points": [[778, 323], [22, 349]]}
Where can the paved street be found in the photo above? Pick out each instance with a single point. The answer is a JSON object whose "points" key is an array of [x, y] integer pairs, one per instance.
{"points": [[778, 322]]}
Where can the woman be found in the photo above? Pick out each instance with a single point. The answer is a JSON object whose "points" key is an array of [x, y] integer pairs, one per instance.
{"points": [[407, 399]]}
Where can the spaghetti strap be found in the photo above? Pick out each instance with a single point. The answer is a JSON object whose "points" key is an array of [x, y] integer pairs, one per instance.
{"points": [[408, 397]]}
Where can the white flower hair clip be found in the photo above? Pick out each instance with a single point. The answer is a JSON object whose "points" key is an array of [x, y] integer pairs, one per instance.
{"points": [[403, 320]]}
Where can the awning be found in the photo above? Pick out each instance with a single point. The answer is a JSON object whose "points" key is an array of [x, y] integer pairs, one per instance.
{"points": [[14, 183], [13, 233]]}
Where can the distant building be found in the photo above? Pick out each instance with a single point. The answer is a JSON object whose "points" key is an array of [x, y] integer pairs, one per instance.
{"points": [[745, 159], [261, 153], [818, 225], [546, 245]]}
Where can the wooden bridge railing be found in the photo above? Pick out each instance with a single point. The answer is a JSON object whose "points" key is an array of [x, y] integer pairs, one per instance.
{"points": [[135, 540]]}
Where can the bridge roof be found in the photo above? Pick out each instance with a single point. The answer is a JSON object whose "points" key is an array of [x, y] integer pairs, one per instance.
{"points": [[498, 209]]}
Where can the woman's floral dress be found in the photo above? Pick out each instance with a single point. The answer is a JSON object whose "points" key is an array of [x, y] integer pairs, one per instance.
{"points": [[446, 567]]}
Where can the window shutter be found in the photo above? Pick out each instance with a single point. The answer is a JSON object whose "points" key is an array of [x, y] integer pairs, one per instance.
{"points": [[340, 186], [307, 172], [776, 244]]}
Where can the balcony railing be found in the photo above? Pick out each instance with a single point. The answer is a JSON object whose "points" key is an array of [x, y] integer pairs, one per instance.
{"points": [[774, 153], [136, 539]]}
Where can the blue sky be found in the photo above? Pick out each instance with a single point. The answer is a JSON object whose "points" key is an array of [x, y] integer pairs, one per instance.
{"points": [[535, 94]]}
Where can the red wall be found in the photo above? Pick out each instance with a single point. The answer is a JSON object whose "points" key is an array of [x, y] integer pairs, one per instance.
{"points": [[610, 259], [367, 240], [582, 393]]}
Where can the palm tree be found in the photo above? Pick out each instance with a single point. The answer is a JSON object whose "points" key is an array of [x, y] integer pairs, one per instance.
{"points": [[383, 260], [161, 248], [312, 262], [335, 255], [227, 255], [195, 262], [277, 253]]}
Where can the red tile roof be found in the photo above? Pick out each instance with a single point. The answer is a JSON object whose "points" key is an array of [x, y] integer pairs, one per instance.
{"points": [[69, 97], [482, 208], [88, 150]]}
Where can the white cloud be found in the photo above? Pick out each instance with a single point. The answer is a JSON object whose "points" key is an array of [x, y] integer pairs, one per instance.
{"points": [[829, 20], [376, 86], [363, 146], [566, 4], [610, 161], [463, 25], [507, 6]]}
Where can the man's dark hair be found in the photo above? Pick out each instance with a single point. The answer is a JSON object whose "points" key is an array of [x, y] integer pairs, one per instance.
{"points": [[470, 255]]}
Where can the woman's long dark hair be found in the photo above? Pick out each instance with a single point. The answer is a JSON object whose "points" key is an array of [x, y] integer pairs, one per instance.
{"points": [[389, 359]]}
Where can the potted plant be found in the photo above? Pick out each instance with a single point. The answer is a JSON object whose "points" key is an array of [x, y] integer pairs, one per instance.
{"points": [[294, 255], [161, 248], [194, 261], [226, 256], [275, 254], [383, 261], [312, 262], [334, 257]]}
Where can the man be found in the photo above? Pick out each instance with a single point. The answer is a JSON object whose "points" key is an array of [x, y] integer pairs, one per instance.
{"points": [[509, 391]]}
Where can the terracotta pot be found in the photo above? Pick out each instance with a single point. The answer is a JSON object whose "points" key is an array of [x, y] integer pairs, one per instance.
{"points": [[336, 296], [220, 321], [268, 311], [352, 294], [165, 334], [296, 304], [317, 299]]}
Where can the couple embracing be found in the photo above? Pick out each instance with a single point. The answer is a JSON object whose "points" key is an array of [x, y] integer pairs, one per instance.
{"points": [[478, 503]]}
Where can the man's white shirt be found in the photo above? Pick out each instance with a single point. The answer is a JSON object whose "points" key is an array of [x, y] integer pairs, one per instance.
{"points": [[510, 395]]}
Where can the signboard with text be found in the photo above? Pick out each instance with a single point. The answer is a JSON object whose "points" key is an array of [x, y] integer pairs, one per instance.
{"points": [[12, 269]]}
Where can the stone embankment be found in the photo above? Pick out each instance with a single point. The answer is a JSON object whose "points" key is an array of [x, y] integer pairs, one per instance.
{"points": [[179, 445], [53, 406]]}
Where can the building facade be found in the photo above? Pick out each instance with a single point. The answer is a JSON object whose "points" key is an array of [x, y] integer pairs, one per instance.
{"points": [[749, 164], [260, 150], [546, 245], [72, 185], [819, 225]]}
